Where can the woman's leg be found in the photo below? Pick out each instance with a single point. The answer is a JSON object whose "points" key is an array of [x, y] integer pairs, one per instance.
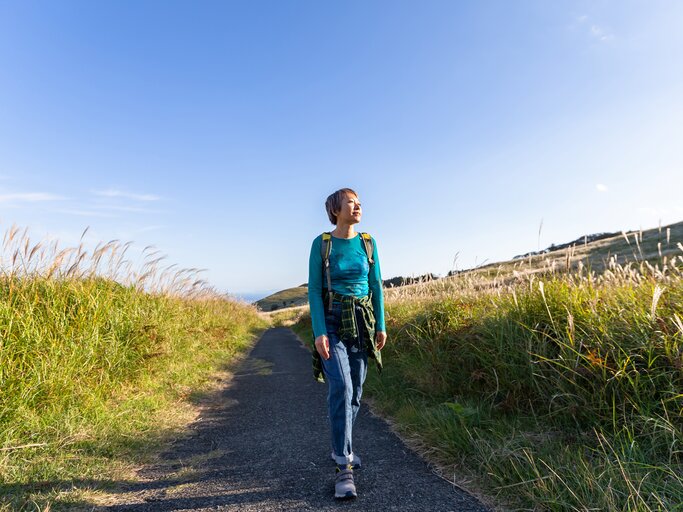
{"points": [[358, 365], [339, 398]]}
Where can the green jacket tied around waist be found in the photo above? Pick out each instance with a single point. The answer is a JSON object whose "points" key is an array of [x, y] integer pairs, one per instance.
{"points": [[350, 329]]}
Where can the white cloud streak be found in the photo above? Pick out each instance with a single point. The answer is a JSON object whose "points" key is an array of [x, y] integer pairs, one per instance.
{"points": [[121, 208], [112, 192], [601, 188], [597, 32], [84, 213], [600, 33], [29, 197]]}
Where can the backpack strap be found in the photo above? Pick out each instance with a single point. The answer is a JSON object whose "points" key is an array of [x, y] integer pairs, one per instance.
{"points": [[325, 250], [369, 245]]}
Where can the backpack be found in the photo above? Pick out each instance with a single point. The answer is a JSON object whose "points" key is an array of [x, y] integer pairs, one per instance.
{"points": [[326, 249]]}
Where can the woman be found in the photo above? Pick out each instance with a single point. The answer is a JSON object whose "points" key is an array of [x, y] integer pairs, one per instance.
{"points": [[347, 312]]}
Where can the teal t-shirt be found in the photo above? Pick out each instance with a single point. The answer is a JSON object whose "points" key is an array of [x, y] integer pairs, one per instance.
{"points": [[351, 275]]}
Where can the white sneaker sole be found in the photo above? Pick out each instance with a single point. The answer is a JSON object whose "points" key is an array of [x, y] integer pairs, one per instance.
{"points": [[349, 495]]}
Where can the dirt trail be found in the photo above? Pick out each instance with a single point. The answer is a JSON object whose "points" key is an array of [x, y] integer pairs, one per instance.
{"points": [[265, 447]]}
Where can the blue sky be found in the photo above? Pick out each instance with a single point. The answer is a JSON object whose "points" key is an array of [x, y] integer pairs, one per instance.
{"points": [[215, 130]]}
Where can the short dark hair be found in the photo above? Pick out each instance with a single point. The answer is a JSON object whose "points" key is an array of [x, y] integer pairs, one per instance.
{"points": [[334, 202]]}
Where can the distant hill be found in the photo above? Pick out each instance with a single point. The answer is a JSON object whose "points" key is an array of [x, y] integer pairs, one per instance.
{"points": [[593, 250], [403, 281], [291, 297], [298, 296]]}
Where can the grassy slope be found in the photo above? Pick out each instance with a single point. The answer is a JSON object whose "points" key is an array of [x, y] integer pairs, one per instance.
{"points": [[633, 245], [547, 390], [648, 245], [94, 375], [291, 297]]}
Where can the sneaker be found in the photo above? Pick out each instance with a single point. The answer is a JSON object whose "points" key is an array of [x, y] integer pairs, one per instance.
{"points": [[344, 488], [355, 462]]}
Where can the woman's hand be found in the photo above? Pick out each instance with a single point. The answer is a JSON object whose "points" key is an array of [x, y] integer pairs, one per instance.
{"points": [[322, 345], [380, 339]]}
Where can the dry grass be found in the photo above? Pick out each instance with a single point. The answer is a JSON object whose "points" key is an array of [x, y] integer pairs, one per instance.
{"points": [[21, 257], [554, 382], [101, 360]]}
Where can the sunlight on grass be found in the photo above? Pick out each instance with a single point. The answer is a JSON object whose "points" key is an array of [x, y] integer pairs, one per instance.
{"points": [[99, 363], [552, 382]]}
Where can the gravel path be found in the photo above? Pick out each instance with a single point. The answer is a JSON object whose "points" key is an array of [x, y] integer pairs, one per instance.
{"points": [[265, 447]]}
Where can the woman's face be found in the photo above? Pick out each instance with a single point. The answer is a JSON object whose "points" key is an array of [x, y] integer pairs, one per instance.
{"points": [[350, 212]]}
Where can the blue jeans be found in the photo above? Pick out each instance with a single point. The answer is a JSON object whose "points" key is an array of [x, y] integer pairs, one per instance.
{"points": [[345, 373]]}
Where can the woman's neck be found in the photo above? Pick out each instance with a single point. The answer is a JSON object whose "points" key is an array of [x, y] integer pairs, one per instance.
{"points": [[344, 231]]}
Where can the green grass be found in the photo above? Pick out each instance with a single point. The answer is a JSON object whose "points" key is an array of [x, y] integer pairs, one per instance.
{"points": [[545, 390], [567, 399], [96, 375]]}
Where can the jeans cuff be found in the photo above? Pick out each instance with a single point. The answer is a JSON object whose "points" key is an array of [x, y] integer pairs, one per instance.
{"points": [[343, 459]]}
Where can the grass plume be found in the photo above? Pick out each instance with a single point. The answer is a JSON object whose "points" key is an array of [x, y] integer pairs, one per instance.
{"points": [[555, 382], [98, 358]]}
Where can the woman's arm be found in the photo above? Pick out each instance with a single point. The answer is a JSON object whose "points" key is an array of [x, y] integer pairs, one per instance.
{"points": [[375, 284], [315, 289]]}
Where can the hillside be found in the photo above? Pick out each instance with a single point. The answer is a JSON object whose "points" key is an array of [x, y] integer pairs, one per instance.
{"points": [[298, 296], [552, 381], [593, 251], [101, 362], [291, 297], [644, 245]]}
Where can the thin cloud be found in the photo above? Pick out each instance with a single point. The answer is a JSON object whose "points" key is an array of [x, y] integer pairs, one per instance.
{"points": [[601, 188], [600, 33], [594, 30], [29, 197], [84, 213], [122, 208], [112, 192]]}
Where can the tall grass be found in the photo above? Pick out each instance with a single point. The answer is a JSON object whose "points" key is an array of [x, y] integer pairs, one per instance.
{"points": [[553, 386], [98, 356]]}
